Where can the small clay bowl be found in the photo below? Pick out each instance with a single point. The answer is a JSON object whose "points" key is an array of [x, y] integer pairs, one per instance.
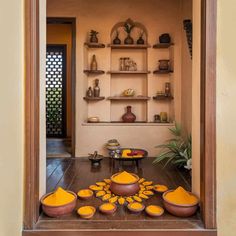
{"points": [[135, 210], [57, 211], [87, 216], [123, 189], [85, 197], [159, 191], [181, 210], [108, 212], [152, 214]]}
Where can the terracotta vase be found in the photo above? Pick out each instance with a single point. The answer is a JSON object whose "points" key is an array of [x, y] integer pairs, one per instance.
{"points": [[129, 40], [129, 117]]}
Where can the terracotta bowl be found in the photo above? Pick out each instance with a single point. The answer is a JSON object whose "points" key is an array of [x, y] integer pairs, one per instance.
{"points": [[57, 211], [135, 210], [108, 212], [184, 210], [87, 216], [125, 189], [152, 214], [85, 197]]}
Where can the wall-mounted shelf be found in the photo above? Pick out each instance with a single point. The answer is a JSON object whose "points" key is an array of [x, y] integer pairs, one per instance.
{"points": [[163, 45], [160, 72], [129, 46], [94, 72], [119, 123], [95, 45], [94, 98], [129, 72], [120, 98], [163, 98]]}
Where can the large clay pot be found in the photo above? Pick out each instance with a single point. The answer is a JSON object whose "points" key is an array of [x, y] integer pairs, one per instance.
{"points": [[129, 117], [125, 189]]}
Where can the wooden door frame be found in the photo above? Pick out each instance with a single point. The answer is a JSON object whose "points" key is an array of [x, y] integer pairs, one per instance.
{"points": [[208, 114]]}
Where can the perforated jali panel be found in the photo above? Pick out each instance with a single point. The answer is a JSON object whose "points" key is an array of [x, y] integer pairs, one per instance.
{"points": [[55, 91]]}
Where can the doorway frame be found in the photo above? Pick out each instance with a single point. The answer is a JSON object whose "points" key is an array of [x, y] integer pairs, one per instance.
{"points": [[208, 114]]}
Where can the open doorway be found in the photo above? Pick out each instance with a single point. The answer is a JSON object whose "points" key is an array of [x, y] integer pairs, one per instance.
{"points": [[59, 88]]}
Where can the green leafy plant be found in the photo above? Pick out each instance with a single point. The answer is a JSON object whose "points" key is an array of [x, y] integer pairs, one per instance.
{"points": [[176, 151], [128, 27], [93, 33]]}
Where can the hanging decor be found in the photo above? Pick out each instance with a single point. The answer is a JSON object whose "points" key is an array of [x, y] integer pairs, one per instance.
{"points": [[188, 28]]}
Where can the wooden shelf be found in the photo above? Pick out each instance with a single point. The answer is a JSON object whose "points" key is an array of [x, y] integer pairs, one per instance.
{"points": [[163, 45], [129, 46], [95, 45], [120, 98], [163, 98], [94, 98], [162, 72], [120, 123], [94, 72], [129, 72]]}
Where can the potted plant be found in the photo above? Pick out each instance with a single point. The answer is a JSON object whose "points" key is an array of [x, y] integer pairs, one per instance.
{"points": [[140, 39], [93, 36], [128, 28], [176, 151]]}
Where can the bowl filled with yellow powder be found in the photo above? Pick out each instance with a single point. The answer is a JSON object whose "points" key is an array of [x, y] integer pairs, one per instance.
{"points": [[86, 212], [135, 207], [108, 208], [85, 194], [180, 202], [154, 210], [58, 203], [124, 184], [160, 188]]}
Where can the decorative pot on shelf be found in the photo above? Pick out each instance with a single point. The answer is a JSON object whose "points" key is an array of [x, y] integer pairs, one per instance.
{"points": [[129, 40], [129, 117], [140, 39], [89, 92], [94, 64], [116, 40], [164, 38], [96, 90], [164, 64], [93, 36]]}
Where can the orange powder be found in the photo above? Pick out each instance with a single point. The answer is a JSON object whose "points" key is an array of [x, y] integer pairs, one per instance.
{"points": [[86, 210], [107, 207], [124, 178], [181, 196], [160, 188], [136, 206], [85, 193], [154, 209], [58, 198]]}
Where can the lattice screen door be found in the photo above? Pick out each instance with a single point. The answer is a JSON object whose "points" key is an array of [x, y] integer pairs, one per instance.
{"points": [[56, 91]]}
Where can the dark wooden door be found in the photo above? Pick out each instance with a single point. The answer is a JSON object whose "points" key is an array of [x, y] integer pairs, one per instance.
{"points": [[56, 91]]}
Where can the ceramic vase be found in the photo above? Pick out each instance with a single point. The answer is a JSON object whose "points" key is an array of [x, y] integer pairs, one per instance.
{"points": [[129, 117], [129, 40], [164, 38], [96, 90], [94, 65]]}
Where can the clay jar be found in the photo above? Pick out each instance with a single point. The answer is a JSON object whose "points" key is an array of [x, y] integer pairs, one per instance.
{"points": [[129, 117], [164, 64]]}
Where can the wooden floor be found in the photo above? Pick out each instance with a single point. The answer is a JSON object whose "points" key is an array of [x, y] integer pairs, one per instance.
{"points": [[75, 174]]}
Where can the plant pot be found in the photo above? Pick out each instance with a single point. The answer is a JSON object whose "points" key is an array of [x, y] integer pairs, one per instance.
{"points": [[93, 39], [164, 38], [116, 40], [129, 40], [140, 40], [129, 117]]}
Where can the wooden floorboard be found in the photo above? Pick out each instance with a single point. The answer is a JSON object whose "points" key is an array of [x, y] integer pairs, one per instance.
{"points": [[77, 173]]}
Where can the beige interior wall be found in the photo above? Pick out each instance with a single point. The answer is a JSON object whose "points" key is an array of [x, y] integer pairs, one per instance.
{"points": [[11, 120], [159, 17], [62, 34], [226, 117]]}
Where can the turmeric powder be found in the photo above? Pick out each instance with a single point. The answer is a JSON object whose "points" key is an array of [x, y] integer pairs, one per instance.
{"points": [[136, 206], [181, 196], [58, 198], [85, 193], [86, 210], [124, 178], [107, 207], [153, 209], [160, 188]]}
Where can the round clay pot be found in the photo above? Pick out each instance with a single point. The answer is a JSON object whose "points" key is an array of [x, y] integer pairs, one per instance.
{"points": [[184, 210], [116, 40], [129, 40], [129, 117], [125, 189], [56, 211], [164, 38]]}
